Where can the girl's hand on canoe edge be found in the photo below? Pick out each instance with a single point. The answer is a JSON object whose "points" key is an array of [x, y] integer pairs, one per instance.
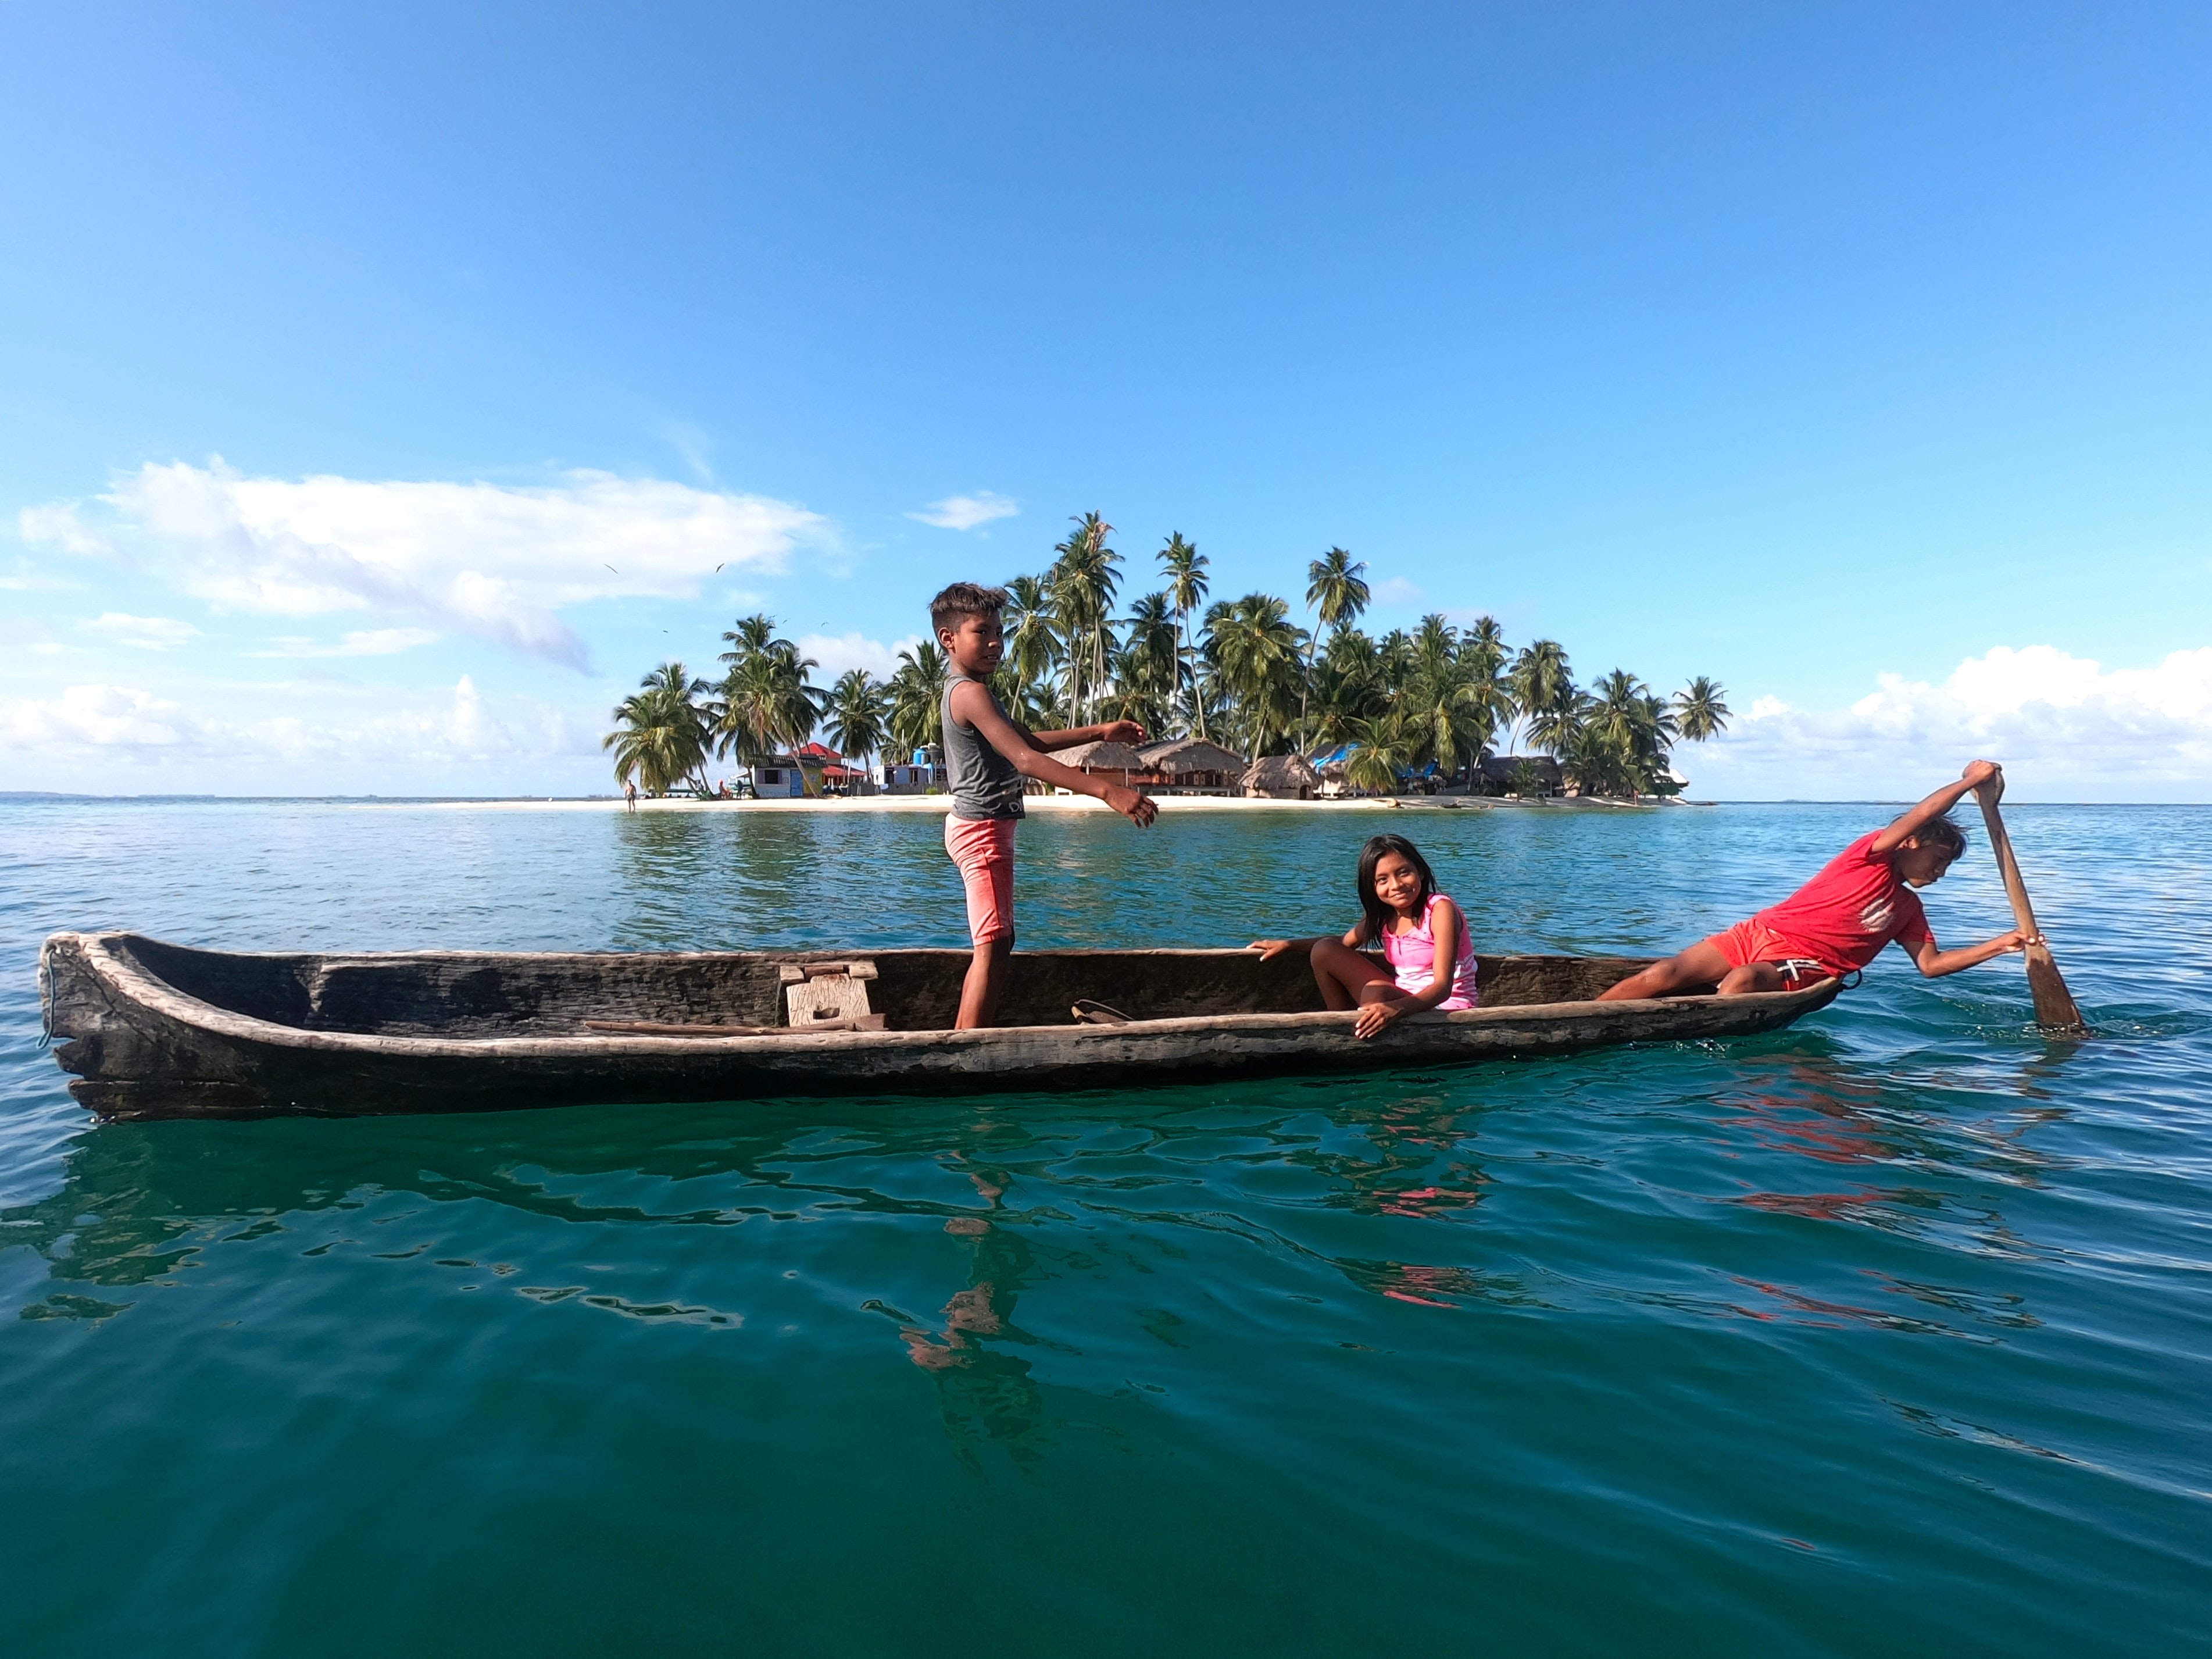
{"points": [[1376, 1018], [1271, 948]]}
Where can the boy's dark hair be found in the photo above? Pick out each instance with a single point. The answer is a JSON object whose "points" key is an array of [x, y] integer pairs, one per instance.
{"points": [[1944, 835], [1377, 915], [963, 599]]}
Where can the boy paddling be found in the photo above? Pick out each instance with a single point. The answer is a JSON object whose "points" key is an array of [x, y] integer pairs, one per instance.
{"points": [[1838, 921], [988, 755]]}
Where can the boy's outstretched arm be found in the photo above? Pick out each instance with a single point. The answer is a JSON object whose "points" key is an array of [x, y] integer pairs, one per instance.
{"points": [[1935, 964], [971, 704], [1934, 807], [1113, 731]]}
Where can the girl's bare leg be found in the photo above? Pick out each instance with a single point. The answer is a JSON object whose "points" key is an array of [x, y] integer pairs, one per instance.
{"points": [[1346, 979]]}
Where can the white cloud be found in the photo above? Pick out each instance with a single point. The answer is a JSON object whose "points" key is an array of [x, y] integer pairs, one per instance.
{"points": [[26, 579], [494, 560], [966, 512], [60, 526], [111, 726], [97, 717], [363, 642], [838, 652], [1397, 590], [143, 633], [2063, 726]]}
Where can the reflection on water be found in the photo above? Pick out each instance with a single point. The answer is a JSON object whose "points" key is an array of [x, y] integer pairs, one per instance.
{"points": [[1400, 1160], [1893, 1321], [986, 1395]]}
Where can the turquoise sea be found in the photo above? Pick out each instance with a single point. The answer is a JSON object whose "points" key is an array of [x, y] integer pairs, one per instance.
{"points": [[1889, 1335]]}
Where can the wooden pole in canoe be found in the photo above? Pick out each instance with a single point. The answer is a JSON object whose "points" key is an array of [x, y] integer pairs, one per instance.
{"points": [[2054, 1004]]}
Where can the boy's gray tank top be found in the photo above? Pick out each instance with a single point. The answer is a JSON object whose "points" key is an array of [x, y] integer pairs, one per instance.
{"points": [[984, 782]]}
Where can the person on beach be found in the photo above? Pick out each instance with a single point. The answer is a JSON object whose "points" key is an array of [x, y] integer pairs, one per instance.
{"points": [[1423, 934], [987, 756], [1839, 921]]}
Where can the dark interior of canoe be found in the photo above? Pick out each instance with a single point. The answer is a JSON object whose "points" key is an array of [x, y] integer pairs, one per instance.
{"points": [[470, 995]]}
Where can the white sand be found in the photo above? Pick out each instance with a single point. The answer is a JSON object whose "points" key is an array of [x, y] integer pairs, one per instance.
{"points": [[940, 804]]}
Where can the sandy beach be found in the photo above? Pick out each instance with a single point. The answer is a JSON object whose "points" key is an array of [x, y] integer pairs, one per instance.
{"points": [[940, 804]]}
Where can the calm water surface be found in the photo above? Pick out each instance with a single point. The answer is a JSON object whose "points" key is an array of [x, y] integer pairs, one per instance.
{"points": [[1889, 1335]]}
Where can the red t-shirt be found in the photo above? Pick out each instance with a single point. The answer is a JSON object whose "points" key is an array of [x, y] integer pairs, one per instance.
{"points": [[1843, 916]]}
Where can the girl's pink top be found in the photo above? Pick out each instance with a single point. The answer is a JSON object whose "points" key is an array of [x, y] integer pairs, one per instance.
{"points": [[1414, 955]]}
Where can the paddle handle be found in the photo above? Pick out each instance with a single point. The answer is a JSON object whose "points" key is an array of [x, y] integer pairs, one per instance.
{"points": [[2023, 913], [2054, 1004]]}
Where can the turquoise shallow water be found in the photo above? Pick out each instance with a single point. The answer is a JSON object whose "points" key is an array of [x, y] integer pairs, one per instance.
{"points": [[1890, 1333]]}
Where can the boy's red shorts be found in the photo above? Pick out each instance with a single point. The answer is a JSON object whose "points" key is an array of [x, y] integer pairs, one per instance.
{"points": [[1752, 941], [982, 850]]}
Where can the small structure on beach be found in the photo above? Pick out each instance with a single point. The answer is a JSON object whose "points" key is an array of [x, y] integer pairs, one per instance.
{"points": [[1521, 774], [780, 777], [1190, 765], [1102, 759], [1282, 777], [826, 767], [923, 773], [1329, 766]]}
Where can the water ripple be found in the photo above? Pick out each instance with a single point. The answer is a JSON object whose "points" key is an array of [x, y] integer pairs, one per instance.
{"points": [[1891, 1332]]}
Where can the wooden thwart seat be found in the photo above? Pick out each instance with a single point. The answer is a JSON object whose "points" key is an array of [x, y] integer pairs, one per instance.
{"points": [[818, 993]]}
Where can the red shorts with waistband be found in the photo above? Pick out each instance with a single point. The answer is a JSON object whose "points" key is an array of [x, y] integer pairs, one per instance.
{"points": [[1752, 941], [982, 849]]}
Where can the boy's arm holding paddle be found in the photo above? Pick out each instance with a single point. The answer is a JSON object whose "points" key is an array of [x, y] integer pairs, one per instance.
{"points": [[1910, 824]]}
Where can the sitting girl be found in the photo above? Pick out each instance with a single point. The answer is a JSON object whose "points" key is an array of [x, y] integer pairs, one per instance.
{"points": [[1418, 927]]}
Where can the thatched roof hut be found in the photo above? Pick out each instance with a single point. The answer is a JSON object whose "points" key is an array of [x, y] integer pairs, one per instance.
{"points": [[1282, 777], [1503, 772], [1191, 763], [1100, 757], [1178, 755]]}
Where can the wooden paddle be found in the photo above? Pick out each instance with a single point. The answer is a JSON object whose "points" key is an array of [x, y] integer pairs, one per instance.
{"points": [[2054, 1004]]}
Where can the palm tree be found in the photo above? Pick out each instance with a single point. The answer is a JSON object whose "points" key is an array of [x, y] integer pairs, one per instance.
{"points": [[1186, 572], [1544, 691], [1082, 583], [768, 702], [661, 732], [1482, 656], [1380, 752], [1254, 646], [1550, 729], [1445, 715], [1149, 669], [856, 711], [1347, 687], [1621, 745], [1395, 655], [1435, 644], [917, 697], [1035, 704], [1698, 711], [1336, 590], [1032, 646]]}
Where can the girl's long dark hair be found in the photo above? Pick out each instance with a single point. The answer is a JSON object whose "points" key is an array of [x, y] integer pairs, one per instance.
{"points": [[1379, 915]]}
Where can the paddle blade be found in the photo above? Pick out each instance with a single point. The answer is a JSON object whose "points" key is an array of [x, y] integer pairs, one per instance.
{"points": [[2054, 1004]]}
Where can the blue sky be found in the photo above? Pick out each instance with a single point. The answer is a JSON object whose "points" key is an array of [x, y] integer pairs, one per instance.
{"points": [[1858, 356]]}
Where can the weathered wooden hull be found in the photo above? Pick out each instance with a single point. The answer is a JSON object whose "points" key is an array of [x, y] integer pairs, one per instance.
{"points": [[155, 1030]]}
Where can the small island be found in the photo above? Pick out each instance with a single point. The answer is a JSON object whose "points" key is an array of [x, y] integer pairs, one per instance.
{"points": [[1240, 701]]}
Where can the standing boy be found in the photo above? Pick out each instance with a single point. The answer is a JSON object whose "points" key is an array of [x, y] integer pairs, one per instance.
{"points": [[988, 755], [1838, 921]]}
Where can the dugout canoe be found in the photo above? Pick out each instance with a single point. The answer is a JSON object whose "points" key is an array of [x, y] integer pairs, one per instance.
{"points": [[157, 1030]]}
